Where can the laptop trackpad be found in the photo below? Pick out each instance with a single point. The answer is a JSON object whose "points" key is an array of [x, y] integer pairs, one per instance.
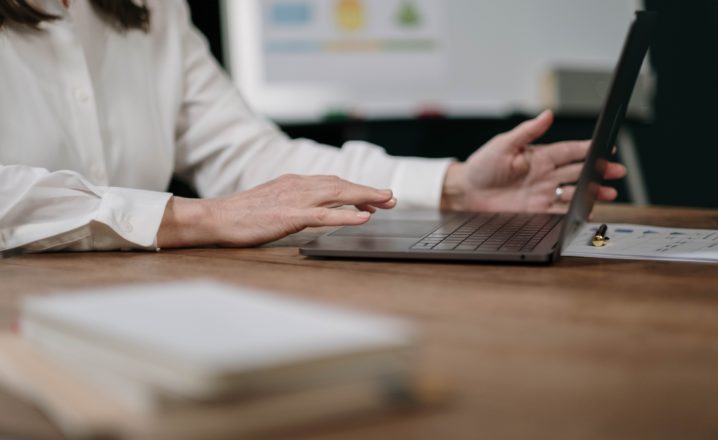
{"points": [[389, 228]]}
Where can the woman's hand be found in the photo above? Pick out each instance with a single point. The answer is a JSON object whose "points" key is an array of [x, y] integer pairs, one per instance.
{"points": [[510, 174], [269, 212]]}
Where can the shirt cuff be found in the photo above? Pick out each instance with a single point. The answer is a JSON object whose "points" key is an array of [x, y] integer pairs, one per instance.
{"points": [[135, 215], [419, 182]]}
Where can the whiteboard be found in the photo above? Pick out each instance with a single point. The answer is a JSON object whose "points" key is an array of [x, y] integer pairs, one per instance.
{"points": [[299, 60]]}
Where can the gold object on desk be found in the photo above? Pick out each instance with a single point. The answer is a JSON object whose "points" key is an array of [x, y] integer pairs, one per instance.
{"points": [[599, 238]]}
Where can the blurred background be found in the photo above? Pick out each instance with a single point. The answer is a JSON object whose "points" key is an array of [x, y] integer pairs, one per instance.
{"points": [[438, 78]]}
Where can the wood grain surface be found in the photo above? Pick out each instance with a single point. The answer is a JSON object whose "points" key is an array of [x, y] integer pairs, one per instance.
{"points": [[581, 349]]}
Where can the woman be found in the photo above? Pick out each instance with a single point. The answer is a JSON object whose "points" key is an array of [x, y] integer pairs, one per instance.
{"points": [[102, 101]]}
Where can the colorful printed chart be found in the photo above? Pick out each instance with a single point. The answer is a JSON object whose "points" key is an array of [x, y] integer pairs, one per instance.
{"points": [[339, 40], [302, 60]]}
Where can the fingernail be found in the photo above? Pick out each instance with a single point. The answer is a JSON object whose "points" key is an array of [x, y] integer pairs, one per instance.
{"points": [[363, 214]]}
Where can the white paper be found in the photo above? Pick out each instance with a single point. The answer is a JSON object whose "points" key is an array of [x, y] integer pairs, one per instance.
{"points": [[222, 328], [642, 242]]}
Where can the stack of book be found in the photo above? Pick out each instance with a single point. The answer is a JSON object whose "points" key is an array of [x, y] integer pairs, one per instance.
{"points": [[204, 360]]}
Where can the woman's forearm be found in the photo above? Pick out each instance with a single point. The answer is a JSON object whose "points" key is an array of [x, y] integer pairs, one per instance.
{"points": [[186, 223]]}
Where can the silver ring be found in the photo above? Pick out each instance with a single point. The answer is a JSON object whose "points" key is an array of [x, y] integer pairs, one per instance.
{"points": [[557, 194]]}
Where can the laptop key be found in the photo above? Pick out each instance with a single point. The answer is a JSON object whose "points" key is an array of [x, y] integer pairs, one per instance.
{"points": [[424, 245], [444, 246]]}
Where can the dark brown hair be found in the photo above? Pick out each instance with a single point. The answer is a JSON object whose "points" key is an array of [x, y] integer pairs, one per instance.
{"points": [[122, 14]]}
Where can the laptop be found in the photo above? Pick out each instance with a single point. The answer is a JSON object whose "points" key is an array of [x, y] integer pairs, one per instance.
{"points": [[496, 236]]}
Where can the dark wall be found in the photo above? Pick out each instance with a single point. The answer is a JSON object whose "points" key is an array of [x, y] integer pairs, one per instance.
{"points": [[680, 155], [206, 16], [678, 150]]}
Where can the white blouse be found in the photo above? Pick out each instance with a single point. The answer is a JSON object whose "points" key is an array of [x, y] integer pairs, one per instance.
{"points": [[94, 122]]}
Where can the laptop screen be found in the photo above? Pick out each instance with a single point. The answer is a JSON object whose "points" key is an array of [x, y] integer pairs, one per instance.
{"points": [[609, 122]]}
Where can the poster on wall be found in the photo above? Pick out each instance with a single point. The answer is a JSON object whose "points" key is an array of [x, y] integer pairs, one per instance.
{"points": [[305, 60], [353, 40]]}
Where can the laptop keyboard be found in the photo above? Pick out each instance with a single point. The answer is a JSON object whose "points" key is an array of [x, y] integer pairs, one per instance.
{"points": [[491, 232]]}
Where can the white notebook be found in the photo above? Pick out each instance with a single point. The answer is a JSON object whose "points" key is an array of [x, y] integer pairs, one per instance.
{"points": [[202, 339]]}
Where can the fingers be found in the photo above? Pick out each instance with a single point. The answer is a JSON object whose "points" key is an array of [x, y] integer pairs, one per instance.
{"points": [[604, 194], [528, 131], [389, 204], [571, 173], [315, 217], [328, 192], [568, 173], [371, 207], [333, 191], [365, 207], [615, 171], [327, 216], [567, 195], [564, 153]]}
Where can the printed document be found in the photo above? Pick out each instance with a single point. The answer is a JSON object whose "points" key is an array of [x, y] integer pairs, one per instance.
{"points": [[641, 242]]}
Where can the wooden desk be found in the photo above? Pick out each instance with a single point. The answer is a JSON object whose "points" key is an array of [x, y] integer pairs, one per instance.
{"points": [[581, 349]]}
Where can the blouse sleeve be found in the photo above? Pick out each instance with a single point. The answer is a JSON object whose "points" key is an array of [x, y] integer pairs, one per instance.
{"points": [[42, 210], [223, 147]]}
